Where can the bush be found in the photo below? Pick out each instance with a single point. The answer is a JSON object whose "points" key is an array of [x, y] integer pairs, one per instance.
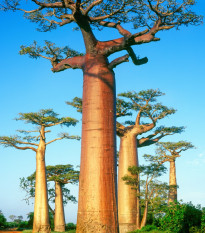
{"points": [[70, 226], [3, 223], [203, 220], [23, 225], [181, 218]]}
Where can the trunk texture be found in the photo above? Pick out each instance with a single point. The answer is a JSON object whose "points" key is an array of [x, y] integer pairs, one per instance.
{"points": [[172, 182], [128, 210], [41, 216], [144, 218], [97, 209], [59, 218]]}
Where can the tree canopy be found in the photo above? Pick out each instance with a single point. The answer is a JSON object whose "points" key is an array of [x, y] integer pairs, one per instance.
{"points": [[44, 118], [63, 174], [147, 17]]}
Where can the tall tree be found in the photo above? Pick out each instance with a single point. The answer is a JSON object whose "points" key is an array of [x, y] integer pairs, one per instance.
{"points": [[61, 175], [44, 119], [97, 209], [145, 106], [168, 152]]}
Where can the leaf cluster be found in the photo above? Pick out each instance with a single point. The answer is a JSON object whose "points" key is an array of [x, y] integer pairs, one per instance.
{"points": [[142, 13], [49, 51], [145, 104], [47, 118], [172, 149]]}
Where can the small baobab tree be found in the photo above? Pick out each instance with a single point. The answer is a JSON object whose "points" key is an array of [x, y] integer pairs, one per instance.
{"points": [[169, 152], [60, 195], [43, 119], [97, 210]]}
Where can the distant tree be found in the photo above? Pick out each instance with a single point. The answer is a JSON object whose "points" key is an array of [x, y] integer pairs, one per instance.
{"points": [[150, 188], [168, 152], [149, 17], [45, 118], [61, 175], [12, 217]]}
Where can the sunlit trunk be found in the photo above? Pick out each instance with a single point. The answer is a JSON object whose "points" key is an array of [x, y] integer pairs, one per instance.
{"points": [[97, 209], [172, 182], [41, 216], [144, 218], [59, 218], [127, 198]]}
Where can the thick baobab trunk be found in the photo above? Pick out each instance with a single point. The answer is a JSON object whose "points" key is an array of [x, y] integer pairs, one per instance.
{"points": [[172, 182], [128, 210], [59, 218], [41, 213], [97, 209]]}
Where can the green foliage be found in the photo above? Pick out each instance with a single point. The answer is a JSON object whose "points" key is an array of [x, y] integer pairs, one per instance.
{"points": [[140, 13], [44, 118], [152, 192], [47, 118], [181, 218], [2, 221], [70, 226], [169, 130], [168, 151], [203, 220], [49, 51], [60, 173], [144, 103], [77, 103], [174, 218]]}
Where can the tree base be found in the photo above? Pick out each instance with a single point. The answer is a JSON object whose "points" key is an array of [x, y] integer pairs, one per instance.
{"points": [[60, 228], [126, 227], [43, 229], [93, 224]]}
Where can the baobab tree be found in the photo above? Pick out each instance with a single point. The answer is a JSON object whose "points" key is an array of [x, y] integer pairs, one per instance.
{"points": [[60, 175], [97, 209], [144, 104], [168, 152], [44, 119]]}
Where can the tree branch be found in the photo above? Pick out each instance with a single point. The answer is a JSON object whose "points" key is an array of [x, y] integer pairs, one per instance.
{"points": [[24, 148], [74, 63], [92, 5], [118, 61], [136, 60], [56, 139]]}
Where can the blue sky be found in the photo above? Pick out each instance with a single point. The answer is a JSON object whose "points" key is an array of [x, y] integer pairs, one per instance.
{"points": [[176, 67]]}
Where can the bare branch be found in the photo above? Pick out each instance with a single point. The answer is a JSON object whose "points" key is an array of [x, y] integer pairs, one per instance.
{"points": [[92, 5], [74, 63], [136, 60], [118, 61], [56, 139]]}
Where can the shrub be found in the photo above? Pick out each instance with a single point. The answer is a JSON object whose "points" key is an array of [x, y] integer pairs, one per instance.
{"points": [[2, 220], [181, 218], [70, 226]]}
